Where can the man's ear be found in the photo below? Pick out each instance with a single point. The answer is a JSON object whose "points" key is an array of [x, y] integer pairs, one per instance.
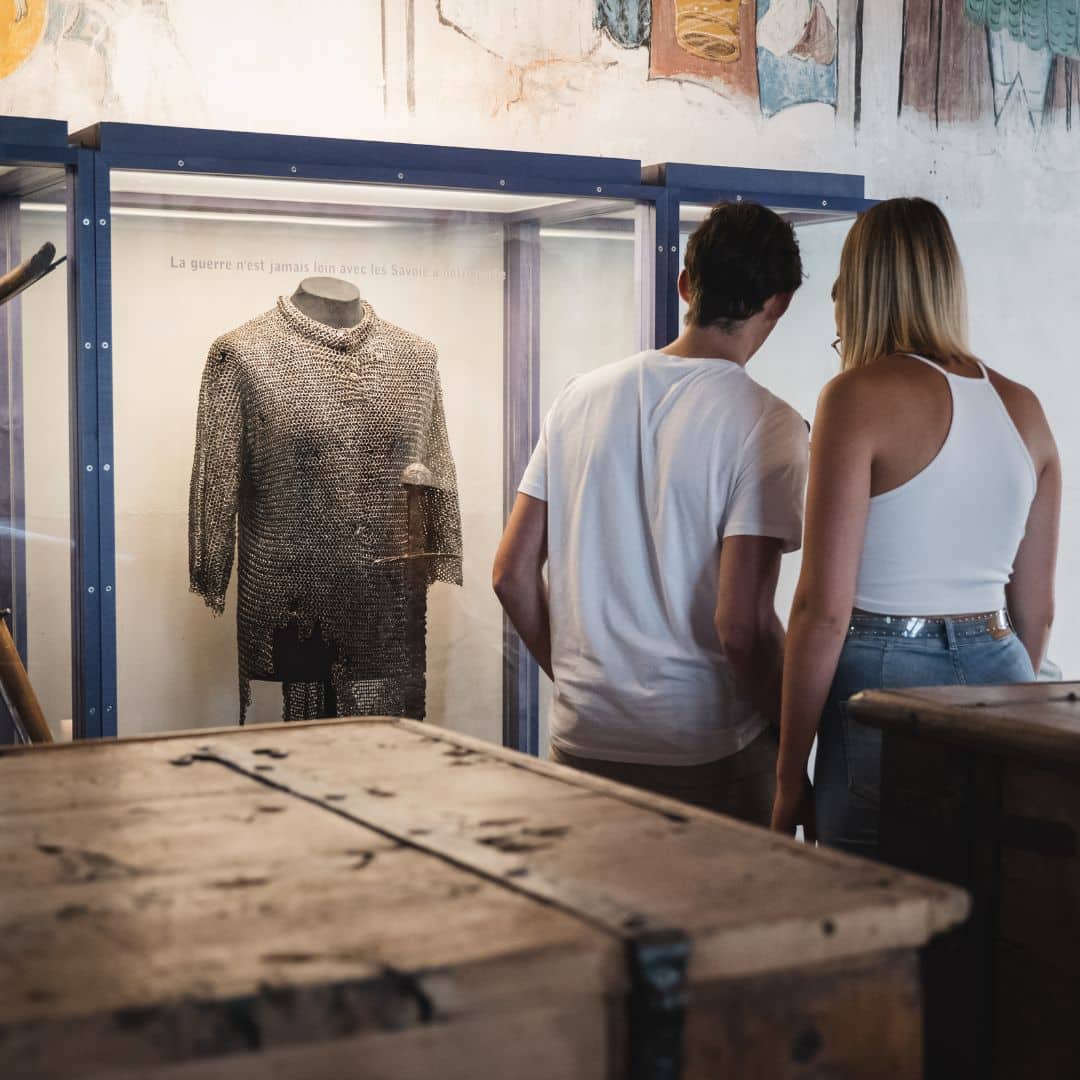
{"points": [[684, 285], [777, 305]]}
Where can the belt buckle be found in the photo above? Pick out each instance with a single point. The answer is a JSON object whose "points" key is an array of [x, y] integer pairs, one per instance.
{"points": [[997, 625]]}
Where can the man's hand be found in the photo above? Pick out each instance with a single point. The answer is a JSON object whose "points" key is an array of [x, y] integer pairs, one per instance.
{"points": [[750, 635], [794, 806]]}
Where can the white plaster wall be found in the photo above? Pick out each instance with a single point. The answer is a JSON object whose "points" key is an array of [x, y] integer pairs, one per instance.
{"points": [[537, 77]]}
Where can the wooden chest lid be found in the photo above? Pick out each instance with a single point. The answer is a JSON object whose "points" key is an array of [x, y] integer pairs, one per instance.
{"points": [[1037, 721], [310, 873]]}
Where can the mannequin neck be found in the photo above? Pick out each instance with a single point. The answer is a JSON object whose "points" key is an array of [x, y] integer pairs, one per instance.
{"points": [[330, 302]]}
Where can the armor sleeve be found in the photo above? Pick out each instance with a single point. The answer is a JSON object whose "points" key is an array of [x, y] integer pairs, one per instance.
{"points": [[215, 479], [442, 510]]}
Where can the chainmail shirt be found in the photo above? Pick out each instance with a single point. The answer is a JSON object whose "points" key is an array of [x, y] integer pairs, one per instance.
{"points": [[303, 434]]}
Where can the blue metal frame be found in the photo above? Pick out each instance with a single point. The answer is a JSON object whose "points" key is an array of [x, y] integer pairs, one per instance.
{"points": [[43, 144], [177, 150], [704, 185]]}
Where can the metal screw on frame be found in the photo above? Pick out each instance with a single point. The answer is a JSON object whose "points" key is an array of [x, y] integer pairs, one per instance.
{"points": [[292, 168], [502, 183], [599, 190], [824, 202], [93, 711], [86, 221], [107, 468], [89, 468], [90, 589], [102, 221], [659, 247], [105, 345], [673, 249], [181, 163], [108, 588], [401, 176]]}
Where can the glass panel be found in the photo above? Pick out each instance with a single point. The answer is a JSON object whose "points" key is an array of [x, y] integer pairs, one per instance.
{"points": [[590, 271], [35, 560], [797, 360], [197, 257]]}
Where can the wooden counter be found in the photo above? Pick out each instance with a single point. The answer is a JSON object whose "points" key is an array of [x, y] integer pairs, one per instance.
{"points": [[379, 898], [981, 787]]}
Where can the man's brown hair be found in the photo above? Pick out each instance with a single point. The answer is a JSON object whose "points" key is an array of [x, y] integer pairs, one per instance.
{"points": [[738, 257]]}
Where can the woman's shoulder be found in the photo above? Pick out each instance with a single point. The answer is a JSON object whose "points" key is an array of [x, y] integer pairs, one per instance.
{"points": [[1026, 412], [1012, 391], [868, 390]]}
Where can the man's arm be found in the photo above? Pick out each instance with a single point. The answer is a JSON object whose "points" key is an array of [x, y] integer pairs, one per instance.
{"points": [[518, 577], [751, 635]]}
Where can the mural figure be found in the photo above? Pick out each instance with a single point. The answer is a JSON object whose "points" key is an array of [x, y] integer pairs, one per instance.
{"points": [[22, 23], [944, 67], [627, 22], [989, 59], [708, 28], [1033, 45], [679, 46], [797, 46], [775, 53]]}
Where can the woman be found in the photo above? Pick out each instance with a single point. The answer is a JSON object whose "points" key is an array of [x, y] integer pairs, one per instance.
{"points": [[931, 519]]}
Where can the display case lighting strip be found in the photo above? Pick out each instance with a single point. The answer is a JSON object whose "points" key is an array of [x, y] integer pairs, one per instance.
{"points": [[588, 234], [245, 216]]}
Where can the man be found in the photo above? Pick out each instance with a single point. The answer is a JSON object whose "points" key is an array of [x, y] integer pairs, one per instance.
{"points": [[662, 493]]}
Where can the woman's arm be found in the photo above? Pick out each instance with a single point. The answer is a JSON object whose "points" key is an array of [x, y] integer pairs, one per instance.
{"points": [[837, 504], [1030, 592]]}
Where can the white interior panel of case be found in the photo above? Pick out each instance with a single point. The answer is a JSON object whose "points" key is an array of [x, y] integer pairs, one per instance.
{"points": [[46, 441], [190, 269]]}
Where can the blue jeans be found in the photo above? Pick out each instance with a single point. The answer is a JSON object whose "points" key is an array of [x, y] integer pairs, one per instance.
{"points": [[885, 652]]}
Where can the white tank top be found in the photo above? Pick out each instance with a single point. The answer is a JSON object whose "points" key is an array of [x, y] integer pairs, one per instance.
{"points": [[944, 542]]}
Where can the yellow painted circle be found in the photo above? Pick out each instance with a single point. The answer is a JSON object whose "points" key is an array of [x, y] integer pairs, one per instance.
{"points": [[21, 25]]}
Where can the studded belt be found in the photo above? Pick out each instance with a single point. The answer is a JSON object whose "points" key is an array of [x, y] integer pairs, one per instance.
{"points": [[995, 623]]}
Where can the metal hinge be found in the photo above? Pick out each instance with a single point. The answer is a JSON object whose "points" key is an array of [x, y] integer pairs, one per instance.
{"points": [[659, 992]]}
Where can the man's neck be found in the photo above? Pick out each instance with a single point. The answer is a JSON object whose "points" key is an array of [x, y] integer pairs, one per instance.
{"points": [[708, 343]]}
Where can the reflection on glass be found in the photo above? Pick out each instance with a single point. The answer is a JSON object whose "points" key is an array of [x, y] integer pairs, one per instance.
{"points": [[796, 361], [35, 525]]}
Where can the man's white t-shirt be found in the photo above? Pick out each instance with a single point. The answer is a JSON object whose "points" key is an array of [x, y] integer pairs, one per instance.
{"points": [[646, 465]]}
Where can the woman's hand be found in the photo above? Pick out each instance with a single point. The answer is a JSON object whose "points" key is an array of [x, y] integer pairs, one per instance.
{"points": [[794, 806]]}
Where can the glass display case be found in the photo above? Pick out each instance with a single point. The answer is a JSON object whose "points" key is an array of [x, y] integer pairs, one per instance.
{"points": [[233, 401], [46, 492], [797, 360]]}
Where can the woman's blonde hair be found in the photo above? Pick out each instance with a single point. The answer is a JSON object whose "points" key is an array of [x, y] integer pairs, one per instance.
{"points": [[901, 286]]}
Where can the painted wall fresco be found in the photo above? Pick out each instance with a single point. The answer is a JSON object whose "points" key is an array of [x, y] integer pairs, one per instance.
{"points": [[999, 63]]}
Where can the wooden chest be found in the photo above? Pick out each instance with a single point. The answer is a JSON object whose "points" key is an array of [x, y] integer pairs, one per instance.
{"points": [[981, 787], [373, 898]]}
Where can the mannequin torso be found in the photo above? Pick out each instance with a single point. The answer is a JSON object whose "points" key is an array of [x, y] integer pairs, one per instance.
{"points": [[329, 301]]}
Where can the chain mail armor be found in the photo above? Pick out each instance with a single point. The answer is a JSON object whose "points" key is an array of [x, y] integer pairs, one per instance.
{"points": [[304, 432]]}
